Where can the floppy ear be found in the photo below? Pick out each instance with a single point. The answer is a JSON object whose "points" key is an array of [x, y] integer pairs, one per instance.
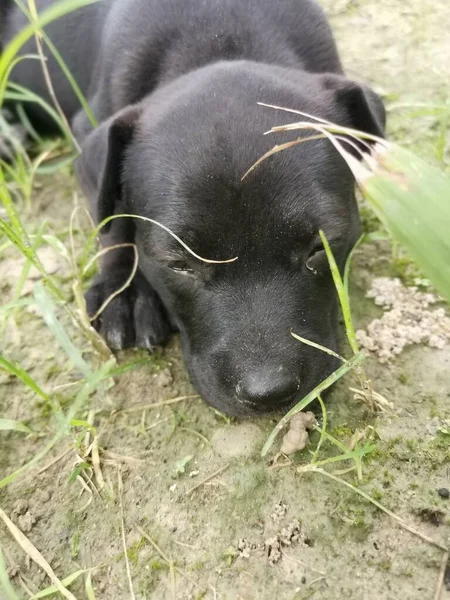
{"points": [[99, 168], [363, 108]]}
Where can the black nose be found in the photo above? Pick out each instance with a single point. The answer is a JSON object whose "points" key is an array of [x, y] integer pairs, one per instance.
{"points": [[268, 388]]}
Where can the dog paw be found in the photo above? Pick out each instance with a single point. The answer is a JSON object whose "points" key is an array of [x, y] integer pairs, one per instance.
{"points": [[135, 318]]}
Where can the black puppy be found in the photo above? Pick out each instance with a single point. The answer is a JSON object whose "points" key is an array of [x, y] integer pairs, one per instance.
{"points": [[175, 86]]}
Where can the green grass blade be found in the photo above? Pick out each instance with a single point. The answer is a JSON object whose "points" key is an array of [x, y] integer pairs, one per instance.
{"points": [[28, 264], [25, 121], [59, 59], [8, 204], [89, 587], [5, 583], [348, 263], [342, 294], [349, 455], [52, 589], [4, 82], [345, 368], [11, 425], [17, 235], [19, 372], [322, 430], [15, 304], [55, 11], [18, 93], [342, 447], [45, 306], [71, 79]]}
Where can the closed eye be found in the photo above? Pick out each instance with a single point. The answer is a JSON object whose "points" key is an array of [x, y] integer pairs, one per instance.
{"points": [[180, 267], [316, 260]]}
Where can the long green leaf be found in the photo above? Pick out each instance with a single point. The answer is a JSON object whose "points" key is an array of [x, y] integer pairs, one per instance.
{"points": [[412, 199]]}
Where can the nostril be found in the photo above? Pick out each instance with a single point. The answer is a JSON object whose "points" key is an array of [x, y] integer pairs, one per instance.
{"points": [[268, 388]]}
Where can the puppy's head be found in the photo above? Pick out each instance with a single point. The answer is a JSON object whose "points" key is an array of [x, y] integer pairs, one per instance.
{"points": [[179, 158]]}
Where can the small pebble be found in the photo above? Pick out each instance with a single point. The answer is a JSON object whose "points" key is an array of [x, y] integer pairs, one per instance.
{"points": [[444, 493]]}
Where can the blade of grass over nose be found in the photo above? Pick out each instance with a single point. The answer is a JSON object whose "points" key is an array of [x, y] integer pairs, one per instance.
{"points": [[318, 346], [310, 397]]}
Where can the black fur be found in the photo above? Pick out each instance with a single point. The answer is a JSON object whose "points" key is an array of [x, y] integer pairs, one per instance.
{"points": [[175, 86]]}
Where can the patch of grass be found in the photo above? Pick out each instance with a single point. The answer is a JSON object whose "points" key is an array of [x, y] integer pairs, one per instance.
{"points": [[134, 550]]}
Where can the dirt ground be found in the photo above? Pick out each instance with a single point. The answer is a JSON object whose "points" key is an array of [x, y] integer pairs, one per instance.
{"points": [[247, 531]]}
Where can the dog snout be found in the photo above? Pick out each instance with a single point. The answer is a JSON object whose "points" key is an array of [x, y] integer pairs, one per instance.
{"points": [[269, 388]]}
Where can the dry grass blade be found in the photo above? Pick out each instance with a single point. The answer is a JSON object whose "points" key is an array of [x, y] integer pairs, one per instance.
{"points": [[164, 228], [196, 434], [295, 112], [441, 577], [122, 528], [380, 401], [96, 464], [46, 73], [122, 287], [407, 195], [279, 148], [55, 460], [35, 555], [330, 129], [218, 472], [114, 458], [165, 558], [154, 544], [160, 404], [318, 346]]}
